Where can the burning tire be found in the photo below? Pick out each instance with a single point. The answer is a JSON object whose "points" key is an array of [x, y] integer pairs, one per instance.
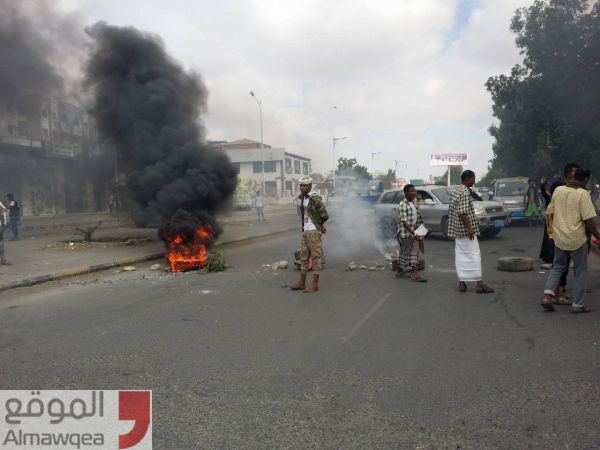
{"points": [[515, 263]]}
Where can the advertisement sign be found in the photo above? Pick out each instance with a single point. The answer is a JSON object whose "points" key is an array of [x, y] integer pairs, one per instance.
{"points": [[64, 419], [450, 159]]}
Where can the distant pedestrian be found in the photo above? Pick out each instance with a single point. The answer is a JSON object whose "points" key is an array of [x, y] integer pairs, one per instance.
{"points": [[314, 215], [409, 219], [572, 216], [464, 228], [13, 215], [3, 260], [531, 200], [259, 204]]}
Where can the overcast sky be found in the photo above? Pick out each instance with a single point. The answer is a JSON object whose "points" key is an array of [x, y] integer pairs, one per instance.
{"points": [[400, 78]]}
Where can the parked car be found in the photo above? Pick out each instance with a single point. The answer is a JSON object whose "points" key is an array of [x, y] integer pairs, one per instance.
{"points": [[433, 201], [511, 192]]}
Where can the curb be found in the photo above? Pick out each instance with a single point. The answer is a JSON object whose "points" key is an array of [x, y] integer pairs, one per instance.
{"points": [[39, 279]]}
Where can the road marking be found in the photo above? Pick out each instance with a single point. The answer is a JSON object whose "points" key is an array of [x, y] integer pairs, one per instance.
{"points": [[362, 321]]}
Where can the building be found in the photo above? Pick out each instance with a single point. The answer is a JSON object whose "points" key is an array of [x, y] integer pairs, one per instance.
{"points": [[50, 158], [283, 170]]}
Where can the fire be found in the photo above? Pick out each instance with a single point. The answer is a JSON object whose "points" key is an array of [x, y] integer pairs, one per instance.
{"points": [[187, 254]]}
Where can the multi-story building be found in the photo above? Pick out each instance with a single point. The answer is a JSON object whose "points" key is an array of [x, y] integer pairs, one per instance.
{"points": [[50, 158], [282, 170]]}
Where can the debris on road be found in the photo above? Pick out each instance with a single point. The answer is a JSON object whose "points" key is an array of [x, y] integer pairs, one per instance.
{"points": [[352, 265], [155, 267], [280, 265], [205, 291], [128, 268], [372, 268]]}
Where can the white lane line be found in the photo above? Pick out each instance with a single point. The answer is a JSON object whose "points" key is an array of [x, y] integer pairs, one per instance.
{"points": [[362, 321]]}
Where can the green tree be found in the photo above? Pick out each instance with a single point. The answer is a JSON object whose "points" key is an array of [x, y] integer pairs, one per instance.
{"points": [[388, 178], [547, 107], [362, 172], [346, 163], [455, 173], [349, 166]]}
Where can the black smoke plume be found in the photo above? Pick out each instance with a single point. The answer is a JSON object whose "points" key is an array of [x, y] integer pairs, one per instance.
{"points": [[41, 49], [148, 107]]}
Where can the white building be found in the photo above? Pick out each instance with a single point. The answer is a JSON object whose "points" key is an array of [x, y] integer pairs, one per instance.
{"points": [[283, 170]]}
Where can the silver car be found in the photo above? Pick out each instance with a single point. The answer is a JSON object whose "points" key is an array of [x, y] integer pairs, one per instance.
{"points": [[512, 193], [433, 201]]}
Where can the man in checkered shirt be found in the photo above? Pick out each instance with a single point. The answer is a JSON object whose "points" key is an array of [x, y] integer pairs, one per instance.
{"points": [[463, 227]]}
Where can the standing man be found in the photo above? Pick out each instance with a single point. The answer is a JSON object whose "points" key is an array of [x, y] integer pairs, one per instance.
{"points": [[409, 219], [572, 213], [259, 203], [13, 215], [463, 227], [314, 215], [3, 260]]}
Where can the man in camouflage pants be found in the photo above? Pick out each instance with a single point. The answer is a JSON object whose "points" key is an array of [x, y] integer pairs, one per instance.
{"points": [[314, 215]]}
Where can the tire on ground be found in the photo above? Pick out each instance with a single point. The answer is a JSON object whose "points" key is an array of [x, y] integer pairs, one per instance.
{"points": [[515, 263]]}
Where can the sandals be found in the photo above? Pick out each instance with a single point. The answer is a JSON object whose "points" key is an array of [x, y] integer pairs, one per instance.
{"points": [[583, 309], [547, 305], [462, 286], [484, 289], [563, 301]]}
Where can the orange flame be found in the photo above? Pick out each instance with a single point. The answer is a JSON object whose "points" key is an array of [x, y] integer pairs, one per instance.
{"points": [[188, 255]]}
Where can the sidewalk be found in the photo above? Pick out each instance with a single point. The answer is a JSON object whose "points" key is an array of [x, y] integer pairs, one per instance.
{"points": [[37, 259]]}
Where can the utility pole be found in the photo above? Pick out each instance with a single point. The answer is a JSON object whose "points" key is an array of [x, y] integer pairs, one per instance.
{"points": [[334, 139]]}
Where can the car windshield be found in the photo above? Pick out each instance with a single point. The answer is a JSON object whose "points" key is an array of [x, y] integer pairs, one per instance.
{"points": [[510, 188], [443, 194]]}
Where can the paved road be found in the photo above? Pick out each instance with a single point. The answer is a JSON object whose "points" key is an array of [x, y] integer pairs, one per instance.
{"points": [[236, 360]]}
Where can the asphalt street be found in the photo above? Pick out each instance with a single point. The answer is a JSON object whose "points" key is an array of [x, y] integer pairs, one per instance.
{"points": [[237, 360]]}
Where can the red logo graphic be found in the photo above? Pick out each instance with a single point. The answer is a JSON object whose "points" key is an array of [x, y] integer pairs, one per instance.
{"points": [[134, 405]]}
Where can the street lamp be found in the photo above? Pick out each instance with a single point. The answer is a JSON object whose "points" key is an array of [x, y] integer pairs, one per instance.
{"points": [[333, 154], [262, 154], [373, 155]]}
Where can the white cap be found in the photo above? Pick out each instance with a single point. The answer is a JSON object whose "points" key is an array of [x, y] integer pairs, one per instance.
{"points": [[306, 180]]}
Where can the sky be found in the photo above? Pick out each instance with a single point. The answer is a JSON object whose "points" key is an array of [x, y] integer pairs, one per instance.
{"points": [[399, 79]]}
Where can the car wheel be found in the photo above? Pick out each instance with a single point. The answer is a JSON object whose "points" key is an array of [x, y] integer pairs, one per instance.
{"points": [[389, 228], [515, 263], [491, 233], [445, 228]]}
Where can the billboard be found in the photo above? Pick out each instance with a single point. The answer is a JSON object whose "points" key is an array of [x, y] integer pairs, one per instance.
{"points": [[450, 159]]}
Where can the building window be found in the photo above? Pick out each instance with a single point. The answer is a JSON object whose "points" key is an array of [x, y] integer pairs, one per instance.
{"points": [[288, 165], [296, 166], [305, 168], [257, 166], [46, 133], [44, 112], [270, 166], [12, 130], [237, 167]]}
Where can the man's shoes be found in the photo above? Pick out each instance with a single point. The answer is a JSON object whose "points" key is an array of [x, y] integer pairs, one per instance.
{"points": [[583, 309], [314, 286]]}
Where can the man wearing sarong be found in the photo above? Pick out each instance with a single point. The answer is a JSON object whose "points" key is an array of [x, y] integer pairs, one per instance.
{"points": [[463, 227], [409, 219], [314, 215]]}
